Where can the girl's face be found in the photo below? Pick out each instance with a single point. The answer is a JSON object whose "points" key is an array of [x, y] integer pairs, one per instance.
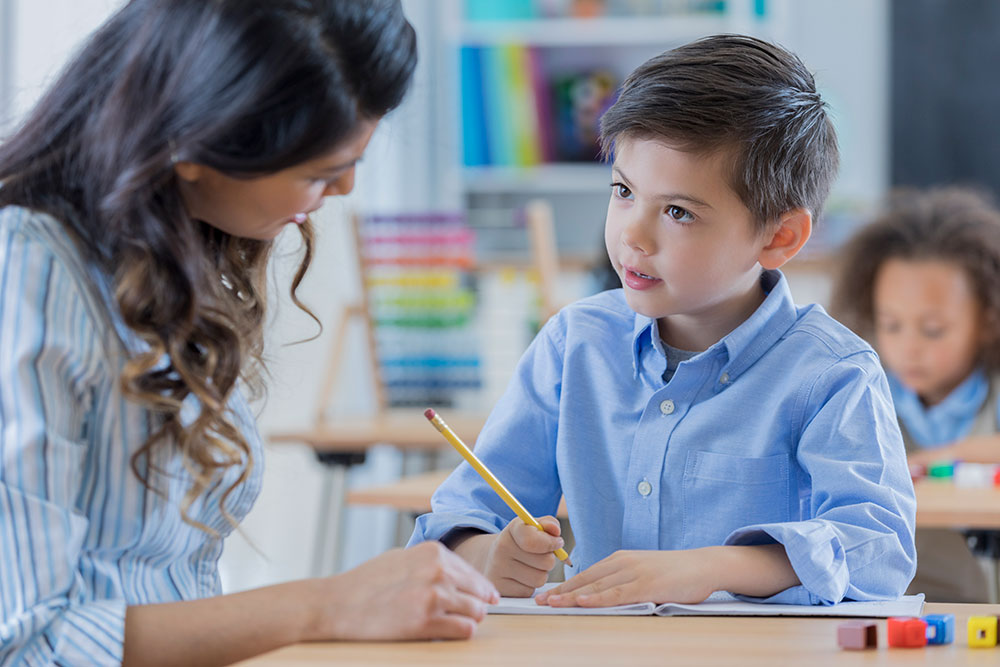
{"points": [[927, 325], [260, 207]]}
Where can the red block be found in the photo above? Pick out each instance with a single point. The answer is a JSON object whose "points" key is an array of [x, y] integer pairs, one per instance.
{"points": [[907, 632]]}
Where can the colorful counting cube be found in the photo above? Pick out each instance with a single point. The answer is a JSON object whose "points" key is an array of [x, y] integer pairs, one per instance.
{"points": [[907, 632], [857, 635], [982, 631], [940, 628]]}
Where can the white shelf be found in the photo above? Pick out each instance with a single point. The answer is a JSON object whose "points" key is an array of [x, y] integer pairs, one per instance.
{"points": [[604, 31], [544, 178]]}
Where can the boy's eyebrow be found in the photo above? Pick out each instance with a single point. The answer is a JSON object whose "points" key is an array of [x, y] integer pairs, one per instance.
{"points": [[672, 197]]}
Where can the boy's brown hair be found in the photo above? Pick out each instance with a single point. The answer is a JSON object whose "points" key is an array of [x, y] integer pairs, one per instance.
{"points": [[742, 95], [949, 224]]}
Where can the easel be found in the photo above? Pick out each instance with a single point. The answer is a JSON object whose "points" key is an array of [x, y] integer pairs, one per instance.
{"points": [[339, 445]]}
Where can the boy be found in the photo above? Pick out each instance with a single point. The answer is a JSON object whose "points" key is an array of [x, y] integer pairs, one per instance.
{"points": [[707, 434]]}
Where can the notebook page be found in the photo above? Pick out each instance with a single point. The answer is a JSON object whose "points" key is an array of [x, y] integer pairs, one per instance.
{"points": [[719, 605], [528, 606]]}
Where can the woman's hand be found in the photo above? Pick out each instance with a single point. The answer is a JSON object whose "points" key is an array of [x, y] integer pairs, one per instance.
{"points": [[424, 592], [516, 560]]}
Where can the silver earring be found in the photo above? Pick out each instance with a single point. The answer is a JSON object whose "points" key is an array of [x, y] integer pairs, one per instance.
{"points": [[173, 152]]}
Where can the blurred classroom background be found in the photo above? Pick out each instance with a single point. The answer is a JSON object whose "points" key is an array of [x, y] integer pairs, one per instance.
{"points": [[503, 112]]}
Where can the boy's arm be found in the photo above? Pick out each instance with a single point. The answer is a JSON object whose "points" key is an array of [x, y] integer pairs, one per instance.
{"points": [[517, 443], [857, 542], [688, 576]]}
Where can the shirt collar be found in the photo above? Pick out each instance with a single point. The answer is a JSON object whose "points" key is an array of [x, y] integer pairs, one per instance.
{"points": [[744, 344]]}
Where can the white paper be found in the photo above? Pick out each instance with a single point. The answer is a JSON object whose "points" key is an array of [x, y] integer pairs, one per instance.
{"points": [[719, 604]]}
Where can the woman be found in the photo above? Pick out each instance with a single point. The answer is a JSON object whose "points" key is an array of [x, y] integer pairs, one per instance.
{"points": [[137, 210]]}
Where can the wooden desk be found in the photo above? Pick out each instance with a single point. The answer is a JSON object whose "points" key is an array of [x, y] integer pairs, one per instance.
{"points": [[406, 430], [344, 443], [580, 641], [939, 504]]}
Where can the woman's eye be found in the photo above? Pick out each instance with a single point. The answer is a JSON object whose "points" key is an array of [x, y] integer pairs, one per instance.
{"points": [[679, 214], [933, 333], [621, 190]]}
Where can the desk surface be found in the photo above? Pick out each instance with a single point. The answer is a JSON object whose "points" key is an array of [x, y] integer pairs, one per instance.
{"points": [[406, 430], [939, 504], [579, 641]]}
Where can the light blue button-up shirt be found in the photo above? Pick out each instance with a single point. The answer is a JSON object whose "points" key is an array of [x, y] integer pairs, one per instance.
{"points": [[783, 431], [81, 537]]}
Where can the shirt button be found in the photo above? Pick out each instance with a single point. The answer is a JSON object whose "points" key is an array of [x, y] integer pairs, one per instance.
{"points": [[667, 407], [724, 378], [645, 488]]}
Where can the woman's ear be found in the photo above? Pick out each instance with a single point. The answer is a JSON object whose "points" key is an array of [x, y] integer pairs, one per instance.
{"points": [[793, 230], [188, 171]]}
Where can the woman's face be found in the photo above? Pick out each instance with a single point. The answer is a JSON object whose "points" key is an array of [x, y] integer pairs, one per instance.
{"points": [[260, 207], [927, 325]]}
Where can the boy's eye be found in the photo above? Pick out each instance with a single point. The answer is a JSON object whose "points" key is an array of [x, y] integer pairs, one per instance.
{"points": [[933, 332], [620, 190], [679, 214]]}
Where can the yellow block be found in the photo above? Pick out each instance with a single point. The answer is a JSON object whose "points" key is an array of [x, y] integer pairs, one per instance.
{"points": [[982, 631]]}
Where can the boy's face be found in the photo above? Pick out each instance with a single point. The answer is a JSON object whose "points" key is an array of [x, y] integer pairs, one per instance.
{"points": [[682, 242], [927, 325]]}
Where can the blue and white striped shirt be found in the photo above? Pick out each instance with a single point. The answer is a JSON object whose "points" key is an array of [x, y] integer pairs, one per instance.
{"points": [[80, 536], [783, 431]]}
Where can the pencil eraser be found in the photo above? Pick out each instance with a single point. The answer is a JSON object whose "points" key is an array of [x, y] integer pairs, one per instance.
{"points": [[429, 413]]}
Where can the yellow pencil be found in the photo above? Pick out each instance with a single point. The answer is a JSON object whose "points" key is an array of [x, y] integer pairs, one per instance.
{"points": [[490, 478]]}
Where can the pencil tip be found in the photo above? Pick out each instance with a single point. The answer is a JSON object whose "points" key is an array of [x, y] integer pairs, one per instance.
{"points": [[429, 413], [569, 562]]}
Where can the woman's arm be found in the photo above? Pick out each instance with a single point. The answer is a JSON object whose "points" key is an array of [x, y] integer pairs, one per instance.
{"points": [[425, 592]]}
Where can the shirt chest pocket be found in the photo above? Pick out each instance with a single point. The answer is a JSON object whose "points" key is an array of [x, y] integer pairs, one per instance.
{"points": [[723, 492]]}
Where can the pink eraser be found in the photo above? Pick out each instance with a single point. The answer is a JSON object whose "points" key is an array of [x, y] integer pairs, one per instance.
{"points": [[429, 413]]}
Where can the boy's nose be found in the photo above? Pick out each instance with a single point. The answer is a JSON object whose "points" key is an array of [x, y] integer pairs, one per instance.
{"points": [[635, 235]]}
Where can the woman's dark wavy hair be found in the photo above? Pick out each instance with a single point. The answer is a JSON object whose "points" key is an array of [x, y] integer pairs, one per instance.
{"points": [[948, 224], [247, 87]]}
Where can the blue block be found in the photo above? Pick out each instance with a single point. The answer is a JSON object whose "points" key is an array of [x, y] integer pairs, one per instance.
{"points": [[940, 628]]}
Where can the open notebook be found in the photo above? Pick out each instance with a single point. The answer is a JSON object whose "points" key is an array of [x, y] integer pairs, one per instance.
{"points": [[719, 604]]}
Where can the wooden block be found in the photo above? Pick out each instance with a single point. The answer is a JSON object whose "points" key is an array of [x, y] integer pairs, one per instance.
{"points": [[940, 628], [982, 631], [858, 635], [906, 632]]}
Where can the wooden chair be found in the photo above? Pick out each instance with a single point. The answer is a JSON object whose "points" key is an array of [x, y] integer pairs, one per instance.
{"points": [[344, 442]]}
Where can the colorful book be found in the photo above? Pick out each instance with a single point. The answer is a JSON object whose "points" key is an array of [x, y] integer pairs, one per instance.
{"points": [[475, 143]]}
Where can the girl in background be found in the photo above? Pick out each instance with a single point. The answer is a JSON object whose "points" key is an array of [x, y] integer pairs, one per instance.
{"points": [[922, 282], [138, 206]]}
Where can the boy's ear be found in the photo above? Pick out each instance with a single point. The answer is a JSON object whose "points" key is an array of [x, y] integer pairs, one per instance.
{"points": [[793, 230]]}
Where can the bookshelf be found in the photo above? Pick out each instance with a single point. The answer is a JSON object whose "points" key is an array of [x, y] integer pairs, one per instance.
{"points": [[532, 60]]}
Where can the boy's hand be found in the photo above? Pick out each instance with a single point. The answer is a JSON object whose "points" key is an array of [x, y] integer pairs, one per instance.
{"points": [[518, 559], [687, 576], [625, 577]]}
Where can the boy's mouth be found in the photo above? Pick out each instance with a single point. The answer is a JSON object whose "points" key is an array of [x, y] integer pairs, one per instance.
{"points": [[638, 280]]}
